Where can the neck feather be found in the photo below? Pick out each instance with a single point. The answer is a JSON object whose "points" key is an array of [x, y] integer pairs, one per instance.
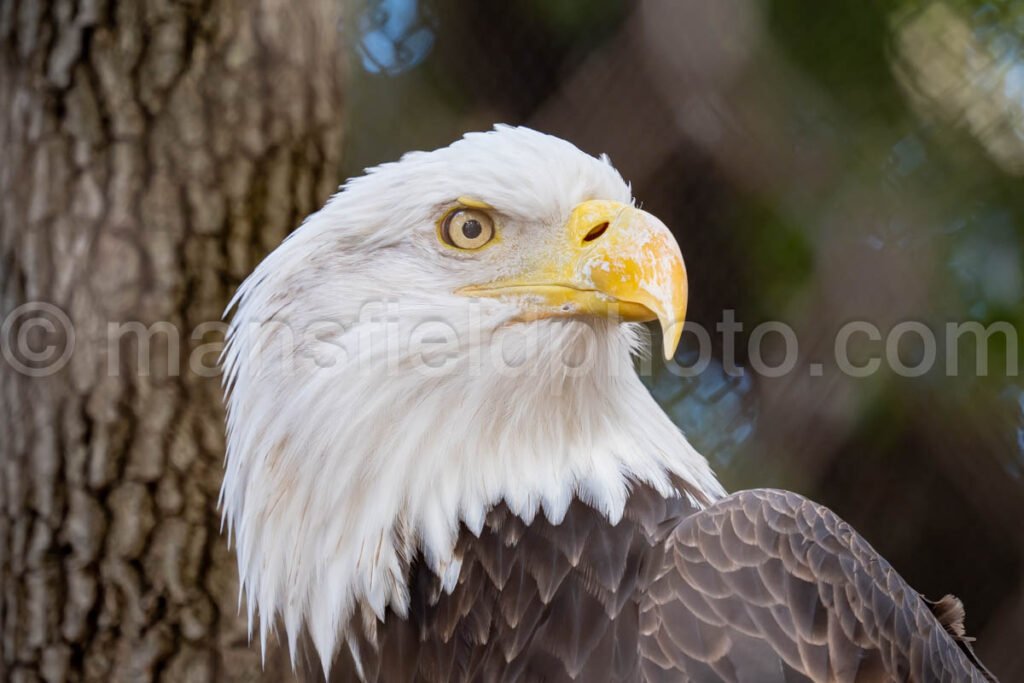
{"points": [[335, 482]]}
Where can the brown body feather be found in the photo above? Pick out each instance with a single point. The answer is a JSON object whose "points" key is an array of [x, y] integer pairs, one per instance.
{"points": [[762, 587]]}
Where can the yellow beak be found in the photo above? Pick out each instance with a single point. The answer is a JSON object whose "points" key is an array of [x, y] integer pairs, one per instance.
{"points": [[611, 261]]}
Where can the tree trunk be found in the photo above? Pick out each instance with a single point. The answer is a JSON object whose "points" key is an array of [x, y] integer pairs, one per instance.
{"points": [[150, 154]]}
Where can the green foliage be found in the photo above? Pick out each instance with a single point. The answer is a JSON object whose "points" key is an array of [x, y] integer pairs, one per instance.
{"points": [[585, 22], [844, 46], [778, 258]]}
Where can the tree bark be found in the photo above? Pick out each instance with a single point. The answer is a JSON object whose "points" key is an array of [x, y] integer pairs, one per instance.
{"points": [[150, 153]]}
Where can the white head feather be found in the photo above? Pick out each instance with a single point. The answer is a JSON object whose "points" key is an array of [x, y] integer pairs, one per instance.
{"points": [[356, 441]]}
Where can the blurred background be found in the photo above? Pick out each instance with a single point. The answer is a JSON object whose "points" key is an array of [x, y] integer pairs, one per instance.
{"points": [[819, 163]]}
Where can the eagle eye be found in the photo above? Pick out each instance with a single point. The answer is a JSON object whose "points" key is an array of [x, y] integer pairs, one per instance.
{"points": [[467, 229]]}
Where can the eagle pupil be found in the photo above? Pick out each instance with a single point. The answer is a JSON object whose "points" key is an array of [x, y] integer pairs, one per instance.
{"points": [[472, 229]]}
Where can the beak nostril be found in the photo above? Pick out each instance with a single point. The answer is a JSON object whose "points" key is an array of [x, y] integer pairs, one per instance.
{"points": [[596, 232]]}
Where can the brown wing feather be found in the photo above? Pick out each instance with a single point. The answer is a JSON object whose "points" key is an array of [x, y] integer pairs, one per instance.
{"points": [[767, 586], [762, 587], [534, 602]]}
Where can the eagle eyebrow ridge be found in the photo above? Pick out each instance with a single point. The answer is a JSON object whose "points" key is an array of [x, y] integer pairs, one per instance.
{"points": [[471, 203]]}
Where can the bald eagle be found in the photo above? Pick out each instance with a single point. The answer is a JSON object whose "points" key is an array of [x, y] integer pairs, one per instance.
{"points": [[442, 465]]}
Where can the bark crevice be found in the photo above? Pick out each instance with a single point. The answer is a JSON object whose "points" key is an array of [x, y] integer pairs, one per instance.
{"points": [[153, 153]]}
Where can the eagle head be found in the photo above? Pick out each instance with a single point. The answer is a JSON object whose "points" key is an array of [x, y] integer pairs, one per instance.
{"points": [[450, 331]]}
